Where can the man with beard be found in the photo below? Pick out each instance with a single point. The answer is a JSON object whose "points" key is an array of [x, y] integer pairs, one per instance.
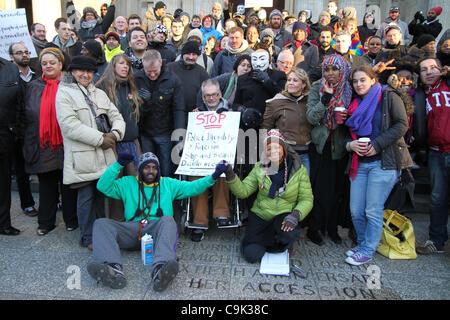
{"points": [[325, 37], [394, 18], [148, 201], [281, 36], [38, 36], [418, 26], [159, 44], [190, 73], [20, 56], [324, 21]]}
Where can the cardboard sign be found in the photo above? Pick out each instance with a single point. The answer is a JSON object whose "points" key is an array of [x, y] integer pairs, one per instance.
{"points": [[258, 3], [14, 28], [210, 138]]}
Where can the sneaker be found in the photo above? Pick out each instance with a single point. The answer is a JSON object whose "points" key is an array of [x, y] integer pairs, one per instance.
{"points": [[351, 252], [164, 274], [110, 275], [197, 235], [30, 211], [357, 259], [429, 247]]}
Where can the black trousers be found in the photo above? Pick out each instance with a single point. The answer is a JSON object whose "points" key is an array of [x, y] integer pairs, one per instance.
{"points": [[50, 185], [261, 236], [5, 190], [331, 190], [22, 178]]}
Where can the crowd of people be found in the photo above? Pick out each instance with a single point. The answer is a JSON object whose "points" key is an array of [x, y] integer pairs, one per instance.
{"points": [[347, 104]]}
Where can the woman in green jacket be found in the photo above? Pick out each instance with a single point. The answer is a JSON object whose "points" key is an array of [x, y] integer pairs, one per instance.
{"points": [[284, 198]]}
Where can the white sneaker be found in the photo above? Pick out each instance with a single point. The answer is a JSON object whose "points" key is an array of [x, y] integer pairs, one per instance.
{"points": [[357, 259], [351, 252]]}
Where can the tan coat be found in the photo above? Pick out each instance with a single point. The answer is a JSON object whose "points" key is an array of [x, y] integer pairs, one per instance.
{"points": [[84, 159], [289, 116]]}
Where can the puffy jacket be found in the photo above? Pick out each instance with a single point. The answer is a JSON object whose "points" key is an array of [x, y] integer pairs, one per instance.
{"points": [[298, 194], [288, 114], [163, 111], [308, 56], [37, 160], [11, 105], [210, 32], [84, 159]]}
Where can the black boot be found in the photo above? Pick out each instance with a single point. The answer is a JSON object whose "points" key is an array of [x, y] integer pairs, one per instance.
{"points": [[314, 236], [335, 237]]}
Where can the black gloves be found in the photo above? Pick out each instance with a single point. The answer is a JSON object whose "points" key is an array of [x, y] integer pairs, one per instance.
{"points": [[260, 76]]}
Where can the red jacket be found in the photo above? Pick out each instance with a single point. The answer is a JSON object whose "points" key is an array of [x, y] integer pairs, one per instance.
{"points": [[438, 116]]}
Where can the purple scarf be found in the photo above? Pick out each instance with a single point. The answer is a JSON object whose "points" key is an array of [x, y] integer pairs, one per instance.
{"points": [[360, 122]]}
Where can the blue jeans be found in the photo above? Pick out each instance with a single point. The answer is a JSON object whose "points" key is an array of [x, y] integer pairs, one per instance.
{"points": [[161, 146], [368, 193], [439, 170], [305, 160]]}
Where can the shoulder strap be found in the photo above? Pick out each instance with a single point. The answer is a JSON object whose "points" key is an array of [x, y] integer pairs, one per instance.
{"points": [[90, 103]]}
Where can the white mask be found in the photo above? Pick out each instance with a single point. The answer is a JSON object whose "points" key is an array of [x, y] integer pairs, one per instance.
{"points": [[260, 60], [241, 9]]}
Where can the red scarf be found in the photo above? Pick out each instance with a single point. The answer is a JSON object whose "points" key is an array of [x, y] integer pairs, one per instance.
{"points": [[49, 131]]}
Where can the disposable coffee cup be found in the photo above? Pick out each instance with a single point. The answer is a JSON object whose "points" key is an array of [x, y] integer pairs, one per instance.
{"points": [[338, 115], [366, 141]]}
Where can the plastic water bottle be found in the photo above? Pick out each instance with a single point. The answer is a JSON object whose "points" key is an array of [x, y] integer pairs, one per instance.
{"points": [[147, 249]]}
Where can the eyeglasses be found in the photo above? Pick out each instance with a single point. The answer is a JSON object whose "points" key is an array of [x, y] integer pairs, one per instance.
{"points": [[213, 95], [21, 53]]}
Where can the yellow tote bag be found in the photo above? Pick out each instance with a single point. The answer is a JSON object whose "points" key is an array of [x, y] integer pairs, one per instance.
{"points": [[397, 240]]}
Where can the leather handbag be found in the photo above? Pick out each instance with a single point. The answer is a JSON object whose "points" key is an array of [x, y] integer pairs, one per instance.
{"points": [[101, 120], [397, 240], [401, 197]]}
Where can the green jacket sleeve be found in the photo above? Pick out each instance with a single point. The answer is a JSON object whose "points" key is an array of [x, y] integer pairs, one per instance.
{"points": [[305, 195], [244, 189], [108, 184], [186, 189], [315, 109]]}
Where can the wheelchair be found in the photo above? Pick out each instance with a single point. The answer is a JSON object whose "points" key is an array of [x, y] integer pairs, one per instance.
{"points": [[185, 212]]}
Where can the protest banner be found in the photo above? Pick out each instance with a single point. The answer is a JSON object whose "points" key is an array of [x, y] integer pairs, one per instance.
{"points": [[210, 138], [14, 28], [258, 3]]}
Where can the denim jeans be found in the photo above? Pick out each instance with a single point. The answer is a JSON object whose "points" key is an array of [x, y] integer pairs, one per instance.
{"points": [[305, 161], [161, 146], [439, 170], [368, 193]]}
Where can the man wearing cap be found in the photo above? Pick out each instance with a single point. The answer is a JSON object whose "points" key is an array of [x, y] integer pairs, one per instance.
{"points": [[306, 55], [280, 36], [190, 73], [324, 20], [148, 200], [153, 16], [87, 150], [159, 44], [112, 46], [431, 25], [394, 18]]}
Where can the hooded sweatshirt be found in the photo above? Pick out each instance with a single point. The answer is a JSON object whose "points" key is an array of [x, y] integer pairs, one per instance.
{"points": [[438, 116]]}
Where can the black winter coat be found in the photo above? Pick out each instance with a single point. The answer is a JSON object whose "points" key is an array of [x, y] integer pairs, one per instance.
{"points": [[167, 51], [253, 94], [11, 105], [101, 27], [417, 29], [37, 159], [163, 110]]}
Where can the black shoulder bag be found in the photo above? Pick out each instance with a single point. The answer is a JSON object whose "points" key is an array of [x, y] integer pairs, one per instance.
{"points": [[102, 120]]}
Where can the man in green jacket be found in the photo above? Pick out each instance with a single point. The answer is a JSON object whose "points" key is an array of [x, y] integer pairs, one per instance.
{"points": [[147, 200]]}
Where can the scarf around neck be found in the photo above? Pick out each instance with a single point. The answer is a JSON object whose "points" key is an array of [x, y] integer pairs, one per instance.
{"points": [[361, 114], [241, 49], [49, 131], [342, 94]]}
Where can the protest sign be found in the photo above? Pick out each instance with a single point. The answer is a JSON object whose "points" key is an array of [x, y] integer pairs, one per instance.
{"points": [[14, 28], [258, 3], [210, 138]]}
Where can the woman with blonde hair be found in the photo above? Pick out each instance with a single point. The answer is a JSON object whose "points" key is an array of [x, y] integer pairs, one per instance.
{"points": [[287, 113], [118, 83]]}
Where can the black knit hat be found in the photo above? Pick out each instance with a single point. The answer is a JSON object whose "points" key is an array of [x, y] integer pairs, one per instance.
{"points": [[191, 47], [94, 48], [83, 63], [424, 39]]}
